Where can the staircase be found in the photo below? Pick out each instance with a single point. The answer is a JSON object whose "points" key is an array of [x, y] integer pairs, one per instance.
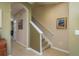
{"points": [[45, 45], [46, 35]]}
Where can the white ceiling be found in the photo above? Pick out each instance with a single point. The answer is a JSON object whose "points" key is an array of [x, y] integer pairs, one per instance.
{"points": [[15, 7], [44, 2], [47, 2]]}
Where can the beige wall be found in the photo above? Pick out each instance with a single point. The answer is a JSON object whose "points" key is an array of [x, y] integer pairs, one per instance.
{"points": [[6, 26], [73, 24], [47, 15]]}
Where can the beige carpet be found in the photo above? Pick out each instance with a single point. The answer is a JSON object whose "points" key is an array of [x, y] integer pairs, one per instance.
{"points": [[18, 50]]}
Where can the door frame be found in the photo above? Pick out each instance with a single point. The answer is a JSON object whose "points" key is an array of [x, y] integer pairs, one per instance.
{"points": [[27, 20]]}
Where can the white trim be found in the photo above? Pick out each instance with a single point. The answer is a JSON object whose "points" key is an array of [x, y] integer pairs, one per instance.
{"points": [[0, 18], [27, 20], [34, 51], [28, 28], [21, 43], [53, 47], [41, 49], [14, 35], [65, 51], [36, 27]]}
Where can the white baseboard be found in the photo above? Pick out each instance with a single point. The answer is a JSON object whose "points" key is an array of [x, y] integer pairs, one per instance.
{"points": [[53, 47], [21, 44], [65, 51], [34, 51]]}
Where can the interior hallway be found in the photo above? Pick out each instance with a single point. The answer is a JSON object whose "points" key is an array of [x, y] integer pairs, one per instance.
{"points": [[18, 50]]}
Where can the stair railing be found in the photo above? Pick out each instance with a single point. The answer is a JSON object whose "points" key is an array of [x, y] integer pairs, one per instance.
{"points": [[46, 33]]}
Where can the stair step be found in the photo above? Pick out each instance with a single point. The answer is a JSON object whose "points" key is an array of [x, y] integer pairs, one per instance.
{"points": [[43, 40], [46, 47], [44, 43]]}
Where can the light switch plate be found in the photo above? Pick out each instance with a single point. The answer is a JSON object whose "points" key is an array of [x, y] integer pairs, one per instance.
{"points": [[76, 32]]}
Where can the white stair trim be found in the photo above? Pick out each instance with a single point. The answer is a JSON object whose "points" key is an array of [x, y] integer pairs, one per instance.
{"points": [[34, 51], [53, 47], [62, 50], [36, 27]]}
